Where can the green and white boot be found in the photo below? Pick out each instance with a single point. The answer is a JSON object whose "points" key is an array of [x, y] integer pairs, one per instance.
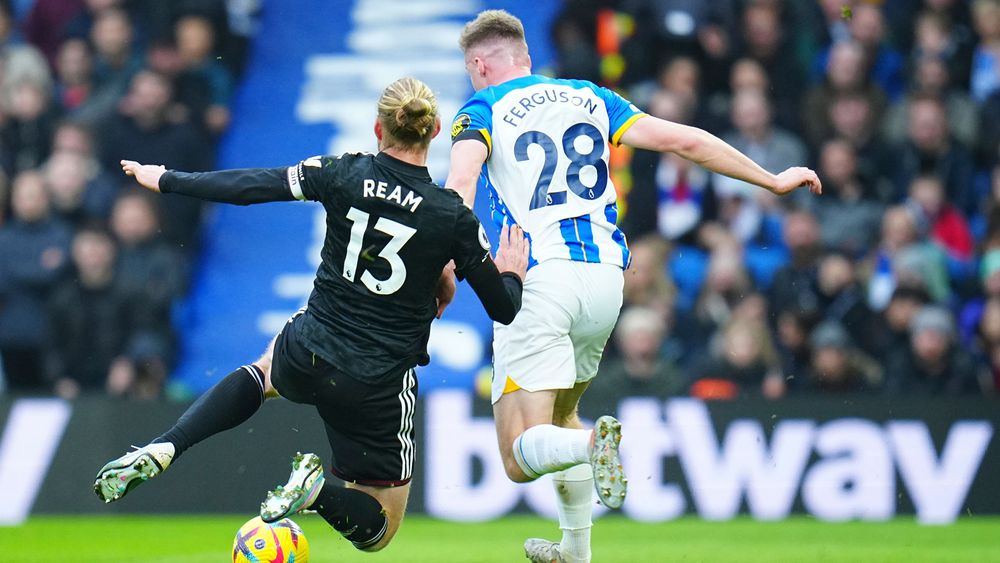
{"points": [[609, 477], [298, 493], [121, 475]]}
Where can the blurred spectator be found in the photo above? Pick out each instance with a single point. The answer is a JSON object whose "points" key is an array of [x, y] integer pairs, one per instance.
{"points": [[574, 37], [680, 78], [91, 320], [897, 317], [116, 60], [947, 226], [756, 136], [846, 72], [765, 42], [886, 64], [646, 281], [204, 85], [80, 194], [932, 149], [931, 78], [842, 300], [794, 353], [744, 364], [852, 118], [641, 369], [836, 365], [904, 257], [933, 364], [74, 76], [988, 340], [937, 36], [848, 216], [26, 134], [21, 63], [151, 272], [986, 57], [727, 284], [141, 131], [34, 258], [45, 25], [793, 287], [675, 27], [669, 195]]}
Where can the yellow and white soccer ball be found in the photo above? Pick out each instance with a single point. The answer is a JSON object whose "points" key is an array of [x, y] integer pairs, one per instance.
{"points": [[278, 542]]}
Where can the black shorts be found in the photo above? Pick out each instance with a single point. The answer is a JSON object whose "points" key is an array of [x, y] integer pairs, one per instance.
{"points": [[369, 425]]}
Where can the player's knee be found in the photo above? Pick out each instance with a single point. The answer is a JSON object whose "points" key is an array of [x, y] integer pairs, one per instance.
{"points": [[514, 471]]}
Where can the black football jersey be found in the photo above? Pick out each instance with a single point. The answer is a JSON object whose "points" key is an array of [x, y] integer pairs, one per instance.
{"points": [[390, 232]]}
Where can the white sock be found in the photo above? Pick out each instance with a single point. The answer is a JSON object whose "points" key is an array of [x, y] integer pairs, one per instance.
{"points": [[575, 496], [547, 448]]}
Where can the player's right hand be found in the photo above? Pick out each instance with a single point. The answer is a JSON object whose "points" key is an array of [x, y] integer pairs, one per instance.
{"points": [[148, 175], [512, 255], [796, 177]]}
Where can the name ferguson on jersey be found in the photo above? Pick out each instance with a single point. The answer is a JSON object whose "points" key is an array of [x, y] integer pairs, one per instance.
{"points": [[375, 188], [527, 103]]}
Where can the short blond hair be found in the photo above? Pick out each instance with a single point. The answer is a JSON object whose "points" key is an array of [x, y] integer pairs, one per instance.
{"points": [[408, 113], [492, 25]]}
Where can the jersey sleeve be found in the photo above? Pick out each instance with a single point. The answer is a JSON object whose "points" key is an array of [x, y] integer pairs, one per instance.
{"points": [[311, 178], [474, 121], [621, 113], [471, 247]]}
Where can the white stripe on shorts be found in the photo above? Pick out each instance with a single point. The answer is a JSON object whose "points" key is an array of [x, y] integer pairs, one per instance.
{"points": [[407, 405]]}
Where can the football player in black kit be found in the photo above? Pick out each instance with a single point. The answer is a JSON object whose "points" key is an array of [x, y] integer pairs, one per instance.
{"points": [[351, 351]]}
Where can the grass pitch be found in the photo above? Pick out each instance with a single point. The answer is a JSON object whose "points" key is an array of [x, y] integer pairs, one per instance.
{"points": [[191, 539]]}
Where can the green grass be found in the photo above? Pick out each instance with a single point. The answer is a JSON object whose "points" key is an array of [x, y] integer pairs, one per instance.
{"points": [[191, 539]]}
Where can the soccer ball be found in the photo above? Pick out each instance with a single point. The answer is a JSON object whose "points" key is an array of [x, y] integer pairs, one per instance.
{"points": [[278, 542]]}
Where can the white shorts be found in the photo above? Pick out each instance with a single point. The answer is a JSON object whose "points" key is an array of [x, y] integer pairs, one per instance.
{"points": [[568, 310]]}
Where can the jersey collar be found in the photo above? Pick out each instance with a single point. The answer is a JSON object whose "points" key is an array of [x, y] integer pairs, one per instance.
{"points": [[403, 167]]}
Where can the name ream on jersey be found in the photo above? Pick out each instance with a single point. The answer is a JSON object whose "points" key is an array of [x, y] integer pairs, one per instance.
{"points": [[373, 188], [539, 99]]}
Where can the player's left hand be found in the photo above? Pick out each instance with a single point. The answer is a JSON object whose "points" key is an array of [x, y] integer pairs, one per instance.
{"points": [[148, 175], [795, 177], [445, 291]]}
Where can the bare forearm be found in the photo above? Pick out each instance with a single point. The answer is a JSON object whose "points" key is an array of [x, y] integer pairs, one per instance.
{"points": [[714, 154]]}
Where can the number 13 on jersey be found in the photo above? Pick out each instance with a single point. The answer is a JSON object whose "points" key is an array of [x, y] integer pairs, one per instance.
{"points": [[400, 235]]}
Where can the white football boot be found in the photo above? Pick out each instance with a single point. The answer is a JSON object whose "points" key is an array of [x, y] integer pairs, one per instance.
{"points": [[538, 550], [121, 475], [609, 477], [298, 493]]}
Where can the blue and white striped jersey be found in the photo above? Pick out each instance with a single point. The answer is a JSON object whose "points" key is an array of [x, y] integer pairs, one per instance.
{"points": [[547, 168]]}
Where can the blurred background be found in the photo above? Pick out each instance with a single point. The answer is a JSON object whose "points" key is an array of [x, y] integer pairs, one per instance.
{"points": [[881, 296]]}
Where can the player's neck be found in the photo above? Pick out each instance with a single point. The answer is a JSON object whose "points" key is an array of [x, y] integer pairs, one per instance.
{"points": [[510, 74], [416, 158]]}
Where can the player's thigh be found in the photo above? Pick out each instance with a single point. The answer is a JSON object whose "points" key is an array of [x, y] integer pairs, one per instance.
{"points": [[600, 306], [519, 410], [393, 501], [535, 353], [369, 426]]}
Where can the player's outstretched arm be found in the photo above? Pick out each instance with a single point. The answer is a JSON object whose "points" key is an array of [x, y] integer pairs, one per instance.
{"points": [[467, 158], [241, 187], [714, 154]]}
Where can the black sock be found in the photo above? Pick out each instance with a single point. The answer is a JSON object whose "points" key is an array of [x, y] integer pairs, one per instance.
{"points": [[228, 403], [356, 515]]}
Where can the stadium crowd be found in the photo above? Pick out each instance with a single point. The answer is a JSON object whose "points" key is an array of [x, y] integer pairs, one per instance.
{"points": [[888, 283], [91, 271]]}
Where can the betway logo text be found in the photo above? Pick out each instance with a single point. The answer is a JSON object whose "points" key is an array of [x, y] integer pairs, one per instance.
{"points": [[840, 469]]}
